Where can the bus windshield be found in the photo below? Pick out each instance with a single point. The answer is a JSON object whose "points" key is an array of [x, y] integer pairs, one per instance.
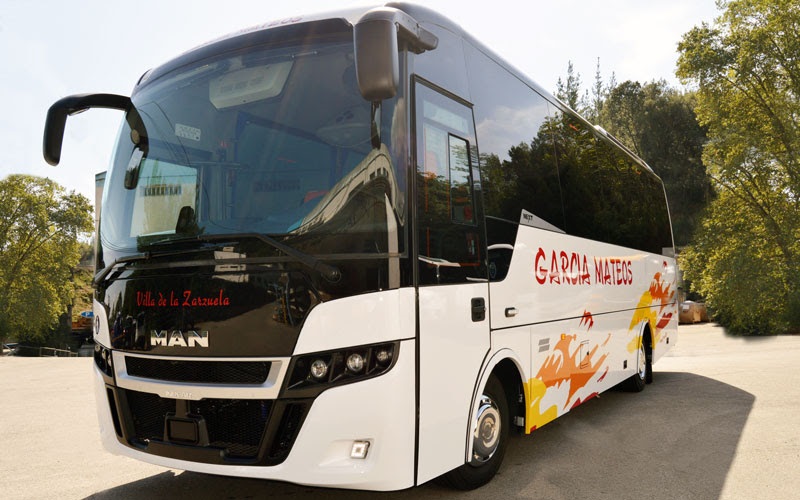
{"points": [[272, 140]]}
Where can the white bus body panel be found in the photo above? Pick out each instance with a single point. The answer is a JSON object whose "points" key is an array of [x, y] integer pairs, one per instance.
{"points": [[378, 410], [452, 350], [581, 306], [359, 320]]}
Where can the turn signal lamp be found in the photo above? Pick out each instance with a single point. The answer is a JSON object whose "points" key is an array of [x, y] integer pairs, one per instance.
{"points": [[384, 356]]}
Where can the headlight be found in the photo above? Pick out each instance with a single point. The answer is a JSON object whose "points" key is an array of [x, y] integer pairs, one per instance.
{"points": [[355, 362], [319, 369], [310, 374], [103, 360]]}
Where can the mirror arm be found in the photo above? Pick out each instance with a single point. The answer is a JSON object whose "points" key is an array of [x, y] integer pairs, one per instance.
{"points": [[419, 38], [71, 105], [375, 125]]}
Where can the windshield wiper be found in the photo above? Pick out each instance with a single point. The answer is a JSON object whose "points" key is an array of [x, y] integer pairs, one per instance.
{"points": [[101, 276], [330, 272]]}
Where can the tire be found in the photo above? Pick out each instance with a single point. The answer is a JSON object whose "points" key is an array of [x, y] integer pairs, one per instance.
{"points": [[491, 425], [638, 380]]}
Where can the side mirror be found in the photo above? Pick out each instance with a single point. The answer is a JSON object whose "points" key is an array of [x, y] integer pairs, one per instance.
{"points": [[376, 36], [72, 105], [377, 60]]}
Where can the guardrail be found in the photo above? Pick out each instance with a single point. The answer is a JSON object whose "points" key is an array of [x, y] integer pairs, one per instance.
{"points": [[50, 351], [43, 351]]}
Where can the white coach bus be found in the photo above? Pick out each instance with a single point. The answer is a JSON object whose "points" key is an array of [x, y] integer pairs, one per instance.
{"points": [[361, 250]]}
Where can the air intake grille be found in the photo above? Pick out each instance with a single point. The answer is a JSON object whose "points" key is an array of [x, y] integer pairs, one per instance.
{"points": [[201, 372], [235, 425], [235, 431]]}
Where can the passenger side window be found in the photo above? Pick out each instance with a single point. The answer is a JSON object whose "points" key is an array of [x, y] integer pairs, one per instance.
{"points": [[450, 228], [518, 164], [608, 196]]}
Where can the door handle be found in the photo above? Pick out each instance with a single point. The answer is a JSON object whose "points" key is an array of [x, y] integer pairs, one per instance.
{"points": [[478, 305]]}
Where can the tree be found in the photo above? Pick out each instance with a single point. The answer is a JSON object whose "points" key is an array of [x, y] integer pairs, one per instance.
{"points": [[746, 67], [599, 94], [82, 277], [40, 225], [569, 91], [734, 266]]}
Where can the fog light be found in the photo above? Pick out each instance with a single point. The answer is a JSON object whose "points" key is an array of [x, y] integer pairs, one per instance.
{"points": [[355, 362], [359, 449], [319, 369]]}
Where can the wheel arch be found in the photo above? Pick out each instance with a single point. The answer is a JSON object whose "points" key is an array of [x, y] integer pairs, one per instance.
{"points": [[647, 339], [507, 368]]}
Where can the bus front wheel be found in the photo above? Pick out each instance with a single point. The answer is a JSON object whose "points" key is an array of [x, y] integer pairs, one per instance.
{"points": [[489, 427]]}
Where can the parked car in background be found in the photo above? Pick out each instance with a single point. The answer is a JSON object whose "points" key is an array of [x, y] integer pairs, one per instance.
{"points": [[693, 312]]}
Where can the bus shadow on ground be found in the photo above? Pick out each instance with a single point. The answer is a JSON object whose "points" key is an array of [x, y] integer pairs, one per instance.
{"points": [[677, 439]]}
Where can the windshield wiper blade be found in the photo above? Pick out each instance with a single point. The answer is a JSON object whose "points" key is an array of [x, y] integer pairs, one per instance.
{"points": [[330, 272], [101, 276]]}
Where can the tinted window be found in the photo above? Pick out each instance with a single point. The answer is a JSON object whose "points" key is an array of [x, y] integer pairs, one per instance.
{"points": [[443, 66], [516, 150], [450, 235], [607, 196], [269, 139]]}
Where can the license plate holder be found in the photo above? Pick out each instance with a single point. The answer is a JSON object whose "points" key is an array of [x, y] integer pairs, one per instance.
{"points": [[185, 430]]}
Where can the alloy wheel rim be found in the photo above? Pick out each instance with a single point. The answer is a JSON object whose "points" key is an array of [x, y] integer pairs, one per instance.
{"points": [[486, 432]]}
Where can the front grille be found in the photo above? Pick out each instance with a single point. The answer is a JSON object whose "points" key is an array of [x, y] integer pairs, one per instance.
{"points": [[290, 425], [234, 424], [250, 431], [200, 372], [147, 413]]}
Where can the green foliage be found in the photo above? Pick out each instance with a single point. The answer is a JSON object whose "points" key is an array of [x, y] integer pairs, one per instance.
{"points": [[569, 90], [83, 292], [747, 71], [733, 265], [40, 225]]}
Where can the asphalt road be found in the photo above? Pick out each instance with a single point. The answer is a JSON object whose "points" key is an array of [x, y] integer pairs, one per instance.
{"points": [[721, 421]]}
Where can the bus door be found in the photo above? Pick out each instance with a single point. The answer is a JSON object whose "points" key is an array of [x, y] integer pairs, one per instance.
{"points": [[453, 337]]}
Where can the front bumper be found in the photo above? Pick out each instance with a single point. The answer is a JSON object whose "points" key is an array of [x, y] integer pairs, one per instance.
{"points": [[251, 432]]}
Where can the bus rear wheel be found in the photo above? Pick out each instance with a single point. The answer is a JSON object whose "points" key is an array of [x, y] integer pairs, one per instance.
{"points": [[644, 370], [490, 426]]}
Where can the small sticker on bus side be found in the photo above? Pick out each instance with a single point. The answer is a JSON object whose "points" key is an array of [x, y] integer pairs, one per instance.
{"points": [[528, 219], [187, 132]]}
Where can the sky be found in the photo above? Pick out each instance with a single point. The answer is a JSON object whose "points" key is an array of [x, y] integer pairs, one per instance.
{"points": [[53, 48]]}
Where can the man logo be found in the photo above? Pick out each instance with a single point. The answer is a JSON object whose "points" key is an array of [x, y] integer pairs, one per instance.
{"points": [[177, 338]]}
